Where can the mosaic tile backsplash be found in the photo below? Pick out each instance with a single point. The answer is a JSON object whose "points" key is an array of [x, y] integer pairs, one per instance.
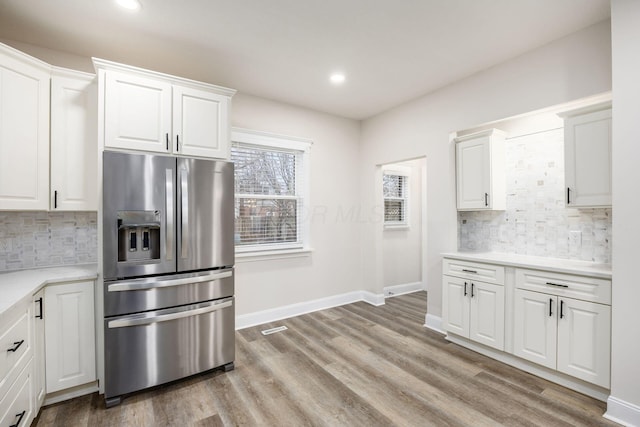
{"points": [[535, 221], [44, 239]]}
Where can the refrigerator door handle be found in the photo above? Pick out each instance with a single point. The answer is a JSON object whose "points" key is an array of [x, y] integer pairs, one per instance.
{"points": [[170, 314], [169, 225], [184, 226], [138, 285]]}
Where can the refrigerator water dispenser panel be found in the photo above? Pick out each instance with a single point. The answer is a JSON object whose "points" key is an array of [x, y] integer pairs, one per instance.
{"points": [[138, 236]]}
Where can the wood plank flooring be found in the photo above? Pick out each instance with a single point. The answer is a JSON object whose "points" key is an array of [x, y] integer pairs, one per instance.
{"points": [[355, 365]]}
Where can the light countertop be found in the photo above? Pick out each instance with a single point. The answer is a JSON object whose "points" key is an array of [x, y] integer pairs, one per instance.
{"points": [[535, 262], [17, 285]]}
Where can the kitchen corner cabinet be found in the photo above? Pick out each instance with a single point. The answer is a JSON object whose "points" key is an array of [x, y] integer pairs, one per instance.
{"points": [[480, 171], [473, 308], [74, 145], [39, 350], [70, 335], [149, 111], [563, 322], [587, 156], [24, 131]]}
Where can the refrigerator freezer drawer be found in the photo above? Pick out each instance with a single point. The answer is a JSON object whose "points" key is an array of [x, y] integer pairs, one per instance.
{"points": [[152, 293], [152, 348]]}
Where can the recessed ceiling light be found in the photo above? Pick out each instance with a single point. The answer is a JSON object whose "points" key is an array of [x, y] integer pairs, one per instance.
{"points": [[129, 4], [337, 78]]}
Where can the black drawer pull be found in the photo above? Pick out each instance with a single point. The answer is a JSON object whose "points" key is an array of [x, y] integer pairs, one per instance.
{"points": [[557, 285], [17, 345], [20, 416], [464, 270]]}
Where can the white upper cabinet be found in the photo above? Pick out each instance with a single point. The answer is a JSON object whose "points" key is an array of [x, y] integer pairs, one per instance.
{"points": [[149, 111], [587, 156], [480, 171], [74, 144], [24, 131]]}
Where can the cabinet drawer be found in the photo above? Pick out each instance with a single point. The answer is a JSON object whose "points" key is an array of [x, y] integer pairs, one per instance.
{"points": [[565, 285], [15, 347], [474, 270], [16, 409]]}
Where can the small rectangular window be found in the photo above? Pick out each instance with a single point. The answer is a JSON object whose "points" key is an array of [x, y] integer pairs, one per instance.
{"points": [[395, 194]]}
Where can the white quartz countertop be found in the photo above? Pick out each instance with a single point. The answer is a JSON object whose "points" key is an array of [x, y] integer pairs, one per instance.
{"points": [[535, 262], [17, 285]]}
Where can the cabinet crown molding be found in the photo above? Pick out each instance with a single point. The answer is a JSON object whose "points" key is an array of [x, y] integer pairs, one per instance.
{"points": [[488, 132], [103, 64], [605, 105]]}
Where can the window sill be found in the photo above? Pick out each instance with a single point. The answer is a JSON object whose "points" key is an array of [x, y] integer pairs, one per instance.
{"points": [[242, 257], [396, 227]]}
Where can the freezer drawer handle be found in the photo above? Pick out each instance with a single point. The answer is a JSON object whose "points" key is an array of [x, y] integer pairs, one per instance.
{"points": [[137, 286], [179, 313]]}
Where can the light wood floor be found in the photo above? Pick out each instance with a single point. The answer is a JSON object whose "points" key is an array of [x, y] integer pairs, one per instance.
{"points": [[355, 365]]}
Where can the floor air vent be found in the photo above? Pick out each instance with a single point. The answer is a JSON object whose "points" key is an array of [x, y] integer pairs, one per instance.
{"points": [[274, 330]]}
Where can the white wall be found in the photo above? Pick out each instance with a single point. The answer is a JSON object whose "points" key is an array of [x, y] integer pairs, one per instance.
{"points": [[402, 247], [625, 369], [574, 67], [333, 267]]}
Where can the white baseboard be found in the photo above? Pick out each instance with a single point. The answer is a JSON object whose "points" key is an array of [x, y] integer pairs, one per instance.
{"points": [[405, 288], [77, 391], [434, 323], [622, 412], [266, 316]]}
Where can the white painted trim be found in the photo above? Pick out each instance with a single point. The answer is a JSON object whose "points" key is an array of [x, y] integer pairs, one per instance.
{"points": [[434, 323], [242, 257], [622, 412], [266, 316], [63, 395], [548, 374], [405, 288]]}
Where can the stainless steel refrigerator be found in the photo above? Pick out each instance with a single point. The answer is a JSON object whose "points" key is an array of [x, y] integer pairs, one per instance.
{"points": [[168, 256]]}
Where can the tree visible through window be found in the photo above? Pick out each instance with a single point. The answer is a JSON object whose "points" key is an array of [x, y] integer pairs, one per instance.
{"points": [[268, 199]]}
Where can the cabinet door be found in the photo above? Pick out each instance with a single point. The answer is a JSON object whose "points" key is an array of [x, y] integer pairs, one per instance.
{"points": [[137, 113], [535, 327], [584, 341], [473, 173], [588, 159], [200, 122], [24, 134], [487, 314], [455, 310], [70, 335], [39, 350], [74, 145]]}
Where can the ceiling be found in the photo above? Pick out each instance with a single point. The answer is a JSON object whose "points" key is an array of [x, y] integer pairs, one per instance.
{"points": [[390, 51]]}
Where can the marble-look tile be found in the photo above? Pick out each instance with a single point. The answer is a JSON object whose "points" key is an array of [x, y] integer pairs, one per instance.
{"points": [[536, 221]]}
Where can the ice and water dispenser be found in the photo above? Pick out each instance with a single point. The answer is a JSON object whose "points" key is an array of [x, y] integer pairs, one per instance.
{"points": [[138, 236]]}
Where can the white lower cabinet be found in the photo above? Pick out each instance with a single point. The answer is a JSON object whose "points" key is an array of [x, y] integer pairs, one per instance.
{"points": [[39, 350], [475, 310], [70, 335], [17, 407], [565, 334]]}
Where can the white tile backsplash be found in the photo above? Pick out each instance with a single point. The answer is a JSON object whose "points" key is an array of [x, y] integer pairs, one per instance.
{"points": [[536, 221], [44, 239]]}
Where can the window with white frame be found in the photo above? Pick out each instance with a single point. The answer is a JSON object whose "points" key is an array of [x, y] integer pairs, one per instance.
{"points": [[271, 191], [395, 187]]}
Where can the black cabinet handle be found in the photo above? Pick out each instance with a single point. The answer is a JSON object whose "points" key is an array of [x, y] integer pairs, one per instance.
{"points": [[472, 285], [167, 139], [469, 271], [556, 285], [550, 303], [177, 142], [20, 416], [55, 199], [39, 301], [486, 199], [17, 345], [568, 195], [465, 289], [561, 309]]}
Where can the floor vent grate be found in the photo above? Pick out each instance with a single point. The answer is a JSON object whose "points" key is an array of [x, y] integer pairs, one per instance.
{"points": [[274, 330]]}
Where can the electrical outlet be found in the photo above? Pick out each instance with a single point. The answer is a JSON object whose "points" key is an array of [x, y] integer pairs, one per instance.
{"points": [[575, 238]]}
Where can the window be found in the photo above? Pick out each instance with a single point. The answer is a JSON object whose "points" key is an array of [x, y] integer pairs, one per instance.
{"points": [[396, 194], [270, 191]]}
